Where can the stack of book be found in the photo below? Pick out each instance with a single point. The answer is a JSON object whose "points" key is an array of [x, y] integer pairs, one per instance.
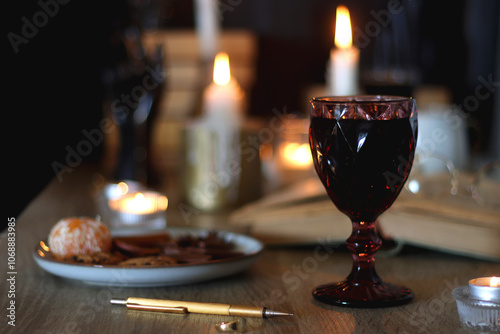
{"points": [[303, 214]]}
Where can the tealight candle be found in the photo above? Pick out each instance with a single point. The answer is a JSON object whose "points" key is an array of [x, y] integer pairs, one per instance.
{"points": [[140, 209], [478, 304], [485, 288], [290, 156], [296, 155]]}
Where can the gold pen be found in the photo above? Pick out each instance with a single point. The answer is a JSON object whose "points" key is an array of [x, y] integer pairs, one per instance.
{"points": [[173, 306]]}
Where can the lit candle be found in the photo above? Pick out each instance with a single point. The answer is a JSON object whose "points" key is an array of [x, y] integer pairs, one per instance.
{"points": [[140, 203], [296, 155], [213, 142], [130, 206], [222, 108], [485, 288], [222, 114], [342, 76], [223, 99]]}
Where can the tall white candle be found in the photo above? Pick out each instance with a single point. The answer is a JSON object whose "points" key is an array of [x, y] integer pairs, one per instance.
{"points": [[342, 74], [207, 27], [214, 142], [222, 108], [223, 98]]}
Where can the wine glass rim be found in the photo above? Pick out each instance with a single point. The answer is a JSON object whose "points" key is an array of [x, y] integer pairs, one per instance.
{"points": [[362, 99]]}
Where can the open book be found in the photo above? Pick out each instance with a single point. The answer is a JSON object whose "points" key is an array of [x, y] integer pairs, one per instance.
{"points": [[304, 214]]}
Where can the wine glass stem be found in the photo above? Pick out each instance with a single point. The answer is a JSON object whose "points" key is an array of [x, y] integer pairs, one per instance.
{"points": [[363, 244]]}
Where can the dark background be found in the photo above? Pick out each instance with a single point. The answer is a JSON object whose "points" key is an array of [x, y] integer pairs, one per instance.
{"points": [[54, 83]]}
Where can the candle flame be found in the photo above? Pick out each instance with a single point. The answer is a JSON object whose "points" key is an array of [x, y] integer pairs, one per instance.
{"points": [[343, 34], [222, 74], [494, 282]]}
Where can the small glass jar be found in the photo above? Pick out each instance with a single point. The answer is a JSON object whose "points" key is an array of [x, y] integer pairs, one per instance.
{"points": [[477, 314]]}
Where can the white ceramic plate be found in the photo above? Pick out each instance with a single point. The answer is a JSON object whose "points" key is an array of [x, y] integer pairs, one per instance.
{"points": [[156, 276]]}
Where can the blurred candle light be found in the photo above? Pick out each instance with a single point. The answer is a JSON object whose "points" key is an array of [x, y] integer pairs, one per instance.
{"points": [[222, 72], [213, 141], [122, 188], [296, 155], [224, 97], [137, 204], [140, 209], [140, 203], [342, 73], [289, 159]]}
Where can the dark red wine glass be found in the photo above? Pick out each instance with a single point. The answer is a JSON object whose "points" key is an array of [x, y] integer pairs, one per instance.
{"points": [[363, 149]]}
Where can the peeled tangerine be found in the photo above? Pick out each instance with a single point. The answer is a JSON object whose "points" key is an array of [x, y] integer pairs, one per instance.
{"points": [[79, 235]]}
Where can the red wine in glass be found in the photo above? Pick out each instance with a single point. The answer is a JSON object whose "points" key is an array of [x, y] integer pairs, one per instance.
{"points": [[363, 149]]}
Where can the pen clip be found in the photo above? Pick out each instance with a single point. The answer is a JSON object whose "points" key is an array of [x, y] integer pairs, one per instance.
{"points": [[165, 309]]}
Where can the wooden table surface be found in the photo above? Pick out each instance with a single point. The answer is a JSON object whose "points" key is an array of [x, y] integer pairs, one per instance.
{"points": [[282, 279]]}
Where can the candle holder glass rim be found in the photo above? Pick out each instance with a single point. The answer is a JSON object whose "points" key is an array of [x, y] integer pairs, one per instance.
{"points": [[485, 282], [362, 99]]}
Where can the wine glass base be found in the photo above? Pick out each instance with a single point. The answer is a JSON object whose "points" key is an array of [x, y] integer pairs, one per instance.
{"points": [[363, 295]]}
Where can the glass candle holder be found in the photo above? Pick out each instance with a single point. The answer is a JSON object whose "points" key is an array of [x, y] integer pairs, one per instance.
{"points": [[477, 314], [104, 192], [139, 210], [293, 158]]}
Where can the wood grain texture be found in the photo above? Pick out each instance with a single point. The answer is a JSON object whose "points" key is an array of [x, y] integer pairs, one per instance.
{"points": [[281, 279]]}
